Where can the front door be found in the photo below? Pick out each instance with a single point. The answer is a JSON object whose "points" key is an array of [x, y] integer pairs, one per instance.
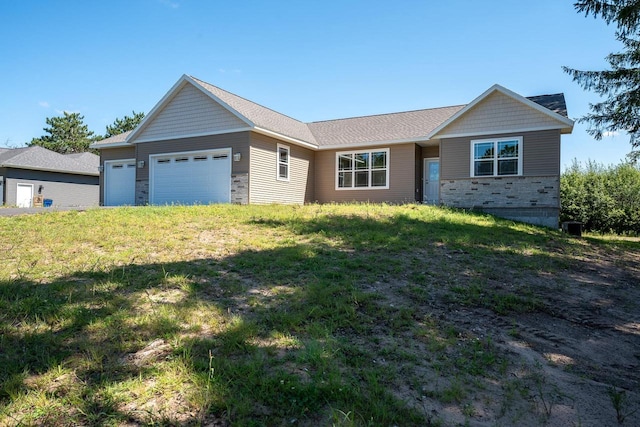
{"points": [[431, 187], [24, 195]]}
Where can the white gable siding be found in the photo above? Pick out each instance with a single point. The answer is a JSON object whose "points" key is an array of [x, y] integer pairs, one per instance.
{"points": [[496, 113], [190, 112]]}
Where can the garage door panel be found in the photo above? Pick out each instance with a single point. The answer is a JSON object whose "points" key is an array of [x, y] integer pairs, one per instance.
{"points": [[191, 178], [120, 182]]}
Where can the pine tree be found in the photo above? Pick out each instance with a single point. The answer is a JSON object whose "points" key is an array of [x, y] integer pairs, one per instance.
{"points": [[620, 85], [66, 134]]}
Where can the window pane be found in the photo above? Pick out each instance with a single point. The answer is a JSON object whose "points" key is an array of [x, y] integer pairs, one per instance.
{"points": [[508, 167], [483, 150], [283, 171], [362, 160], [345, 179], [379, 160], [508, 149], [284, 155], [482, 168], [379, 178], [362, 179], [345, 162]]}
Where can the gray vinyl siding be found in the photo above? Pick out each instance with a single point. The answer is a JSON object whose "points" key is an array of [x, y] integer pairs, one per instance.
{"points": [[541, 154], [264, 187], [64, 189], [401, 178], [238, 142]]}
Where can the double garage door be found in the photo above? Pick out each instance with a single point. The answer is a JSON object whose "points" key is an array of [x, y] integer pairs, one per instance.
{"points": [[188, 178]]}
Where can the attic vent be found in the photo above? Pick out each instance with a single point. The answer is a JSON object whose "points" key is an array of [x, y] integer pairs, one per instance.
{"points": [[164, 160], [199, 158], [182, 159], [220, 156]]}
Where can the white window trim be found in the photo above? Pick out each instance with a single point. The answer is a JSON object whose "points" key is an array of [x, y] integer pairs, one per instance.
{"points": [[495, 141], [371, 150], [278, 162]]}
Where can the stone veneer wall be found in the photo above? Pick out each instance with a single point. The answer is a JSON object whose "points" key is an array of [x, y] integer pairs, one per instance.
{"points": [[239, 190], [142, 192], [535, 200]]}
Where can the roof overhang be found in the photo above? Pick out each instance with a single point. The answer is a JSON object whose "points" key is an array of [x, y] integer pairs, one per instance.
{"points": [[10, 166], [97, 146], [182, 81], [565, 124]]}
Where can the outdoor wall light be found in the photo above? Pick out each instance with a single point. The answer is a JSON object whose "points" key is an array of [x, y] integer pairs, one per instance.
{"points": [[40, 189], [100, 168], [237, 157], [140, 164]]}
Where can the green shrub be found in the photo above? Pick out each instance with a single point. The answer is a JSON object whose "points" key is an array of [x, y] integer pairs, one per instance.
{"points": [[604, 199]]}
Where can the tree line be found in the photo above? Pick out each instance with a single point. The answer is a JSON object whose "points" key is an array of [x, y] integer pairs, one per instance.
{"points": [[606, 199], [69, 134]]}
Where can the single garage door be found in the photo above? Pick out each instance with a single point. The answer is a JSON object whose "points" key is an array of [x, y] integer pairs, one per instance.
{"points": [[189, 178], [119, 182]]}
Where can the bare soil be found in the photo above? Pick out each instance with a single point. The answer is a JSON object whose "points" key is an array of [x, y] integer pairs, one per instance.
{"points": [[575, 361]]}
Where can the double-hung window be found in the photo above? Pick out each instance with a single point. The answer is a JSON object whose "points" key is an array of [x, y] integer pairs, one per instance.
{"points": [[362, 169], [283, 163], [496, 157]]}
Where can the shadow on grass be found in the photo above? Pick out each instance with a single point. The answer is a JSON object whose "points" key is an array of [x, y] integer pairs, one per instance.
{"points": [[258, 337]]}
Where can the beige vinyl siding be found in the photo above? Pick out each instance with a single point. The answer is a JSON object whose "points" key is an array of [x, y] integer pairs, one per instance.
{"points": [[430, 152], [401, 178], [190, 112], [238, 142], [264, 187], [541, 154], [497, 113]]}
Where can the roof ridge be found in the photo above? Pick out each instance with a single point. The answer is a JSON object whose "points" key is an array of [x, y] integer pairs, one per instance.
{"points": [[248, 100], [387, 114]]}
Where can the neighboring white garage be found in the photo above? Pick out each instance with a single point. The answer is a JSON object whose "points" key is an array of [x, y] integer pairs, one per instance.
{"points": [[119, 182], [194, 177]]}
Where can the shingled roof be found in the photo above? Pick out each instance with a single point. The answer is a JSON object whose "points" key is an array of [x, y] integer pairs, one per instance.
{"points": [[40, 158], [400, 126]]}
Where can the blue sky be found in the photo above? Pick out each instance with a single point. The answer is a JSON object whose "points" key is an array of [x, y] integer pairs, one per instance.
{"points": [[312, 60]]}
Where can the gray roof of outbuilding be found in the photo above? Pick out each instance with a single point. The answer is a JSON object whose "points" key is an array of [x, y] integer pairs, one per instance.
{"points": [[40, 158]]}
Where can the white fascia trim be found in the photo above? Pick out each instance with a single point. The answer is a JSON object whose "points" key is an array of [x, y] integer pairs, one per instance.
{"points": [[498, 132], [497, 88], [285, 138], [182, 81], [110, 145], [349, 146], [218, 100], [191, 135], [96, 173]]}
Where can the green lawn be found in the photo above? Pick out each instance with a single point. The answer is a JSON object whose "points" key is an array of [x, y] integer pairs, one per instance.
{"points": [[265, 315]]}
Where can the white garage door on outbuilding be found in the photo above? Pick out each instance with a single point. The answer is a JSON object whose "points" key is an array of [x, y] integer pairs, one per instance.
{"points": [[119, 182], [194, 177]]}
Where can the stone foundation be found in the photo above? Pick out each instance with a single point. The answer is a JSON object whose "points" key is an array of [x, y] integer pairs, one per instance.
{"points": [[535, 200], [240, 188], [142, 192]]}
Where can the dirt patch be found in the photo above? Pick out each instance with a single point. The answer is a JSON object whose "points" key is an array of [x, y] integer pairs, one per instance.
{"points": [[565, 360]]}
